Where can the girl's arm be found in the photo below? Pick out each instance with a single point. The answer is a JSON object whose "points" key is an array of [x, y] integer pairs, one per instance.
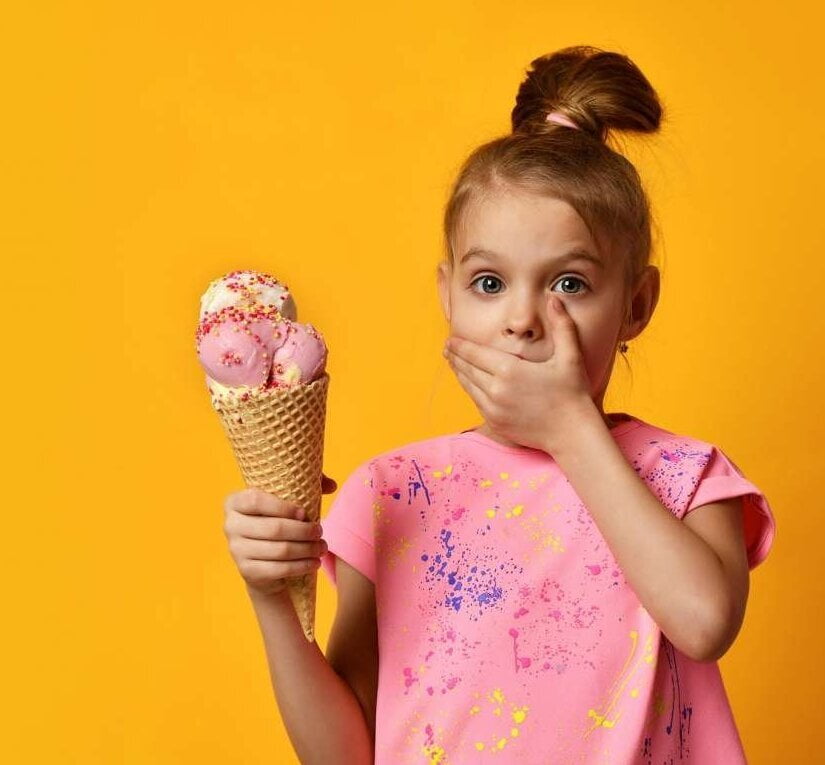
{"points": [[322, 714], [694, 587]]}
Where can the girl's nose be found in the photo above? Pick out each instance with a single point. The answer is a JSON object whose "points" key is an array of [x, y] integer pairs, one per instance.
{"points": [[529, 332], [525, 323]]}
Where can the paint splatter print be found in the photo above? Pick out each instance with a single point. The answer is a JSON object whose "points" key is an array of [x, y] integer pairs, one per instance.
{"points": [[507, 631]]}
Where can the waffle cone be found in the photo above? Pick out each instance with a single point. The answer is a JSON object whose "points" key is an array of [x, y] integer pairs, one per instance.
{"points": [[278, 439]]}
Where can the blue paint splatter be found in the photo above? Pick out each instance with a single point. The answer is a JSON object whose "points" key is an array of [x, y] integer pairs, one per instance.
{"points": [[413, 486], [467, 585]]}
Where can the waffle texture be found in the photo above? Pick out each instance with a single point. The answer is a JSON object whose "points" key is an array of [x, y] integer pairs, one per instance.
{"points": [[277, 436]]}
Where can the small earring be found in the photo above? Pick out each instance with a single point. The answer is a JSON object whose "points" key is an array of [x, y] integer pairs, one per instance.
{"points": [[623, 348]]}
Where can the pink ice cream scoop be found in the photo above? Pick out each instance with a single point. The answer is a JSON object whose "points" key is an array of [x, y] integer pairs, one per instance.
{"points": [[301, 358], [247, 336], [235, 351]]}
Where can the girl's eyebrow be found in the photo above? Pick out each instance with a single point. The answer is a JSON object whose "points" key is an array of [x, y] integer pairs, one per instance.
{"points": [[575, 254]]}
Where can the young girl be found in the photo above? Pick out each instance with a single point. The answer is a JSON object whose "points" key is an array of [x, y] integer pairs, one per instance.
{"points": [[557, 584]]}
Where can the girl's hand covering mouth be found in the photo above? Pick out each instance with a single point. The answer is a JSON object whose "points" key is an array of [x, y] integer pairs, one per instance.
{"points": [[521, 400]]}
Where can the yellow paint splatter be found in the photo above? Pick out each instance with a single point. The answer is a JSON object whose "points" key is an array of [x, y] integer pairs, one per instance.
{"points": [[518, 714], [398, 551], [443, 473], [513, 512], [514, 485], [474, 710], [634, 693], [504, 476], [542, 537], [485, 484], [435, 754], [600, 714], [601, 720], [536, 482]]}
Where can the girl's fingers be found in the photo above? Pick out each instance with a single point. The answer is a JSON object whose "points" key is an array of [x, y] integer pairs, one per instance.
{"points": [[477, 394], [265, 571], [484, 357], [255, 549], [274, 529], [473, 377], [478, 377], [251, 501]]}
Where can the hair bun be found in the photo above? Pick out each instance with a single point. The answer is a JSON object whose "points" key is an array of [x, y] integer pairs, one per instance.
{"points": [[598, 90]]}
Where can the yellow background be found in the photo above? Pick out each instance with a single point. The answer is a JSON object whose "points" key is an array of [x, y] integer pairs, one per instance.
{"points": [[150, 147]]}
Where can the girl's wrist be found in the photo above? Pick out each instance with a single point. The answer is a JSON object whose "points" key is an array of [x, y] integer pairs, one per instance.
{"points": [[269, 598], [577, 416]]}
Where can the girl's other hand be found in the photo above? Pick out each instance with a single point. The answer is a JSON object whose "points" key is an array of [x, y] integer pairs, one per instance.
{"points": [[269, 540]]}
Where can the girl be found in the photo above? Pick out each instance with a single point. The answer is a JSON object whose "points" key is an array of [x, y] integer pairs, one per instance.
{"points": [[557, 584]]}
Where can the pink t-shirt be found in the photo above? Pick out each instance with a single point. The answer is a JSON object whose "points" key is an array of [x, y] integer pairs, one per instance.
{"points": [[507, 632]]}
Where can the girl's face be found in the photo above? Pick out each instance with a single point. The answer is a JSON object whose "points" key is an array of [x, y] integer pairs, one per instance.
{"points": [[513, 249]]}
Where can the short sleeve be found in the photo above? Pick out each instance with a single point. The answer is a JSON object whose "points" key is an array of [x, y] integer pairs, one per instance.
{"points": [[722, 479], [348, 526]]}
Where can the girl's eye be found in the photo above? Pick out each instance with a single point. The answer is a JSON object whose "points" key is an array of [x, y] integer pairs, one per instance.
{"points": [[487, 279], [489, 284], [572, 279]]}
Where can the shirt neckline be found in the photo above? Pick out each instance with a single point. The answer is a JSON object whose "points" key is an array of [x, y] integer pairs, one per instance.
{"points": [[623, 427]]}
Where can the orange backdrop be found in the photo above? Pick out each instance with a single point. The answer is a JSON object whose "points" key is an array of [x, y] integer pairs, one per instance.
{"points": [[150, 147]]}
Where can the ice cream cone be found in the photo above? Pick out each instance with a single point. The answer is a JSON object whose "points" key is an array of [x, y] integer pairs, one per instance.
{"points": [[278, 439]]}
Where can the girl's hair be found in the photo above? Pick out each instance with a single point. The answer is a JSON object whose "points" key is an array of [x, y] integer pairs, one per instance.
{"points": [[600, 91]]}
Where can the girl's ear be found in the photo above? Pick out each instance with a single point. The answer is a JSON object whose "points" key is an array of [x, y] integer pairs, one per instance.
{"points": [[444, 273], [645, 298]]}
